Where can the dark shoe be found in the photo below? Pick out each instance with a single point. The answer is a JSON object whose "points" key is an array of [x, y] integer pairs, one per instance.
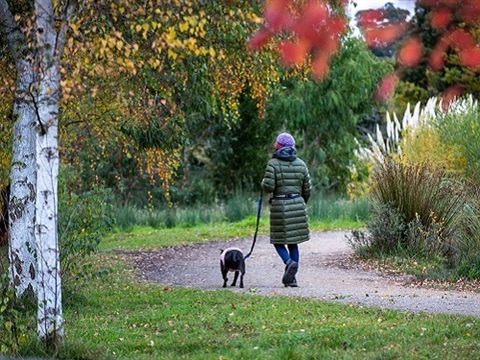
{"points": [[290, 271], [292, 284]]}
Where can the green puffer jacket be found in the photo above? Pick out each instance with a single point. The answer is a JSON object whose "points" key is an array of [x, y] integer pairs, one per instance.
{"points": [[287, 175]]}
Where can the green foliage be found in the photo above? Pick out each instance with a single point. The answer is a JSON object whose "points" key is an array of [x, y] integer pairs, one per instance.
{"points": [[469, 243], [10, 336], [236, 149], [166, 78], [83, 220], [194, 184], [16, 315], [447, 138], [408, 93], [324, 116]]}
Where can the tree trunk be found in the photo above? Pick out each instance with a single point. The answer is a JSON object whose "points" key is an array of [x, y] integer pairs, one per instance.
{"points": [[50, 321], [22, 246], [49, 318], [4, 199], [23, 179]]}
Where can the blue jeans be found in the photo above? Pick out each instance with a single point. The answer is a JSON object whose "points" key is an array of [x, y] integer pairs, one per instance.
{"points": [[291, 253]]}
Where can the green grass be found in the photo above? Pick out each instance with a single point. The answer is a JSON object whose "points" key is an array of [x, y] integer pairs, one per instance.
{"points": [[116, 316], [119, 317], [144, 237]]}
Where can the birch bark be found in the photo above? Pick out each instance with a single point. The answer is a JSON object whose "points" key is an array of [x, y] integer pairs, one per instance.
{"points": [[49, 316], [22, 243], [38, 60]]}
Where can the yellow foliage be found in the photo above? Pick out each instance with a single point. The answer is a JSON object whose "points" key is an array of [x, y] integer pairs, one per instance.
{"points": [[212, 52], [172, 54], [183, 26], [171, 35], [424, 145], [158, 34]]}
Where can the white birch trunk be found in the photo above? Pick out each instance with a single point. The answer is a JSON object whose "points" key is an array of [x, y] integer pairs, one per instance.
{"points": [[22, 247], [40, 87], [49, 318], [23, 182]]}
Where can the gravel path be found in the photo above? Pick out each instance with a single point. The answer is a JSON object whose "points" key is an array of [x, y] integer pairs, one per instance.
{"points": [[325, 273]]}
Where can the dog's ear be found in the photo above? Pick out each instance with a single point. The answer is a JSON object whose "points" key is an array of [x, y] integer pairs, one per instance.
{"points": [[221, 251]]}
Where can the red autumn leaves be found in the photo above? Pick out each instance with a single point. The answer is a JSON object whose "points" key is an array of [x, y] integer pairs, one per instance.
{"points": [[451, 18], [307, 29], [310, 29]]}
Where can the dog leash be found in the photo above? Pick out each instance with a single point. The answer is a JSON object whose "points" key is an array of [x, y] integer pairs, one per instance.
{"points": [[259, 210]]}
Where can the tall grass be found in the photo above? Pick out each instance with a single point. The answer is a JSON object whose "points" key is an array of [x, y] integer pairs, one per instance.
{"points": [[321, 208], [236, 208], [459, 130], [420, 191], [329, 208], [469, 241], [419, 210]]}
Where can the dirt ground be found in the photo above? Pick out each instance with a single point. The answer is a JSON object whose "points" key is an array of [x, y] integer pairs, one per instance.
{"points": [[326, 272]]}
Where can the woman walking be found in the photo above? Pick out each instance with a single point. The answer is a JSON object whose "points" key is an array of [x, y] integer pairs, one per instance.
{"points": [[288, 180]]}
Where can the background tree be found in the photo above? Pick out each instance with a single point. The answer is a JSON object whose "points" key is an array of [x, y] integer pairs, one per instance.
{"points": [[440, 72], [388, 14], [325, 116], [236, 151], [159, 106], [447, 28]]}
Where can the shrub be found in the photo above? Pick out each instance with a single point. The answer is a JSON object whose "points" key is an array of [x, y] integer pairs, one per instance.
{"points": [[439, 210], [417, 209], [16, 315], [469, 240], [83, 220]]}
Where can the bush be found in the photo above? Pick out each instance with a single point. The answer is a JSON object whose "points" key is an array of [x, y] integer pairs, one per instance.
{"points": [[16, 314], [83, 220], [418, 210], [469, 241]]}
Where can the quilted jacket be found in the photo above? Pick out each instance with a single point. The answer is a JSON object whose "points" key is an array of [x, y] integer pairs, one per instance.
{"points": [[288, 181]]}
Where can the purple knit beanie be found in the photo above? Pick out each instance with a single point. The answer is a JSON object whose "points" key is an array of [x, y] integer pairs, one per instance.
{"points": [[284, 139]]}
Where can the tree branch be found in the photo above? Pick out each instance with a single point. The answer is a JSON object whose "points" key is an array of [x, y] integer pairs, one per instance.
{"points": [[69, 11]]}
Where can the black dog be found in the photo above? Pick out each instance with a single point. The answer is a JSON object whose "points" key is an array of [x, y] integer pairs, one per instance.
{"points": [[232, 259]]}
